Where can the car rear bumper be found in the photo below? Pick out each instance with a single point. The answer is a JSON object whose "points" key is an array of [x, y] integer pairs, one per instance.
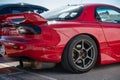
{"points": [[33, 50]]}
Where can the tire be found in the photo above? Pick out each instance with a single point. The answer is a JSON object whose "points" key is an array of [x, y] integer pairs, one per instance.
{"points": [[80, 55]]}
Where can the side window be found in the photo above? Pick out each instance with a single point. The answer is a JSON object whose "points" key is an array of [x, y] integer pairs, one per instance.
{"points": [[18, 10], [5, 11], [108, 14]]}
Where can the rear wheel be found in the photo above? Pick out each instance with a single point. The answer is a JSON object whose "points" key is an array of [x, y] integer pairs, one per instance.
{"points": [[80, 55]]}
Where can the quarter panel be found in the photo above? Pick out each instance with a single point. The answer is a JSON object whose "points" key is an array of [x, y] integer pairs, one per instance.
{"points": [[69, 31]]}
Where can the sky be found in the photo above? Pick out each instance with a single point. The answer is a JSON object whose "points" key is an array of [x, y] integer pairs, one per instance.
{"points": [[51, 4]]}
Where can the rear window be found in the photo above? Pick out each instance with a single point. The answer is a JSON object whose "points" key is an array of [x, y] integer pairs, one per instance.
{"points": [[18, 10], [5, 11], [64, 13]]}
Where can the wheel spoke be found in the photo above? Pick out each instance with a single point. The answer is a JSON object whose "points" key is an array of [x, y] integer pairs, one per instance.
{"points": [[83, 44], [89, 48], [83, 63], [76, 50], [89, 57], [77, 60]]}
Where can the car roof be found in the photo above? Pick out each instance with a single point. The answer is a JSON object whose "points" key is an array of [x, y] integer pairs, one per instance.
{"points": [[91, 4], [22, 4]]}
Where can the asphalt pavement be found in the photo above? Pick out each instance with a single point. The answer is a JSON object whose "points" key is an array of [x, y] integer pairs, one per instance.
{"points": [[10, 71]]}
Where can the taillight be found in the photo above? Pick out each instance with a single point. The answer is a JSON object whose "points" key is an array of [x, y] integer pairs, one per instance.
{"points": [[19, 47], [29, 29]]}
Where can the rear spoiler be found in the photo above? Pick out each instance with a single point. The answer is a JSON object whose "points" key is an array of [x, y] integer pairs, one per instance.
{"points": [[28, 17]]}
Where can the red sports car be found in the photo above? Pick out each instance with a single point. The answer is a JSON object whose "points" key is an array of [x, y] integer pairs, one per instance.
{"points": [[78, 36]]}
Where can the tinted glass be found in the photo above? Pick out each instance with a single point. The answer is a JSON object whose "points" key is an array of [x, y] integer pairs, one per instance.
{"points": [[63, 13], [5, 11], [18, 10], [109, 14]]}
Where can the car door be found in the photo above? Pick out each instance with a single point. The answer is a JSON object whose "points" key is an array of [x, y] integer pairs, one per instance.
{"points": [[109, 19]]}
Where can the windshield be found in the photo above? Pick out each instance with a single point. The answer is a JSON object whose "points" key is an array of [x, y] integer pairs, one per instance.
{"points": [[64, 13]]}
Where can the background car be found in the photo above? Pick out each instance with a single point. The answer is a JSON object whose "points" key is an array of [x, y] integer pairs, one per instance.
{"points": [[20, 7], [78, 36]]}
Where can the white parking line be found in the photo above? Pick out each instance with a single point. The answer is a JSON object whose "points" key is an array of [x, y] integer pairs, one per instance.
{"points": [[4, 65], [43, 76], [5, 76]]}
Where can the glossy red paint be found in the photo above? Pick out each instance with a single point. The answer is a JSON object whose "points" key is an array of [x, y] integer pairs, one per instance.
{"points": [[35, 18], [50, 44]]}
